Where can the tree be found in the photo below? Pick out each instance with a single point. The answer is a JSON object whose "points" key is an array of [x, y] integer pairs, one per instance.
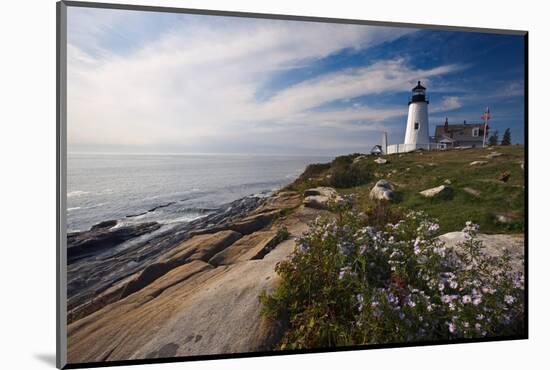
{"points": [[493, 139], [506, 138]]}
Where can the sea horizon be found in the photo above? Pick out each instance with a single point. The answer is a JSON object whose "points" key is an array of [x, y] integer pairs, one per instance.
{"points": [[170, 188]]}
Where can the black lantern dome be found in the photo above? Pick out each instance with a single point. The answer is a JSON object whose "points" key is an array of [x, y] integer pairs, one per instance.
{"points": [[418, 94]]}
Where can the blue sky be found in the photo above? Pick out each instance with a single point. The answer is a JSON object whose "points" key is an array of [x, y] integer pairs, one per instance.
{"points": [[159, 82]]}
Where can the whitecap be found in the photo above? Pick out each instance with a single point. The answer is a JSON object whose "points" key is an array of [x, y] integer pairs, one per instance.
{"points": [[77, 193], [73, 209]]}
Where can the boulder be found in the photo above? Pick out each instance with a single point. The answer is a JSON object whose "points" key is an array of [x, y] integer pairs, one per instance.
{"points": [[430, 193], [382, 190], [359, 159], [478, 163], [447, 181], [282, 200], [381, 160], [493, 245], [320, 197], [321, 190], [493, 155]]}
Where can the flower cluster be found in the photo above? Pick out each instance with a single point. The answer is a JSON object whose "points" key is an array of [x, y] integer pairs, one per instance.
{"points": [[349, 283]]}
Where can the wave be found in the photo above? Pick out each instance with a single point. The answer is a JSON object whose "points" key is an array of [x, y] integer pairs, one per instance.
{"points": [[73, 209], [77, 193]]}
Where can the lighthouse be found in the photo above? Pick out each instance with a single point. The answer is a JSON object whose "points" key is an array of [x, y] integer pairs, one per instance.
{"points": [[416, 134]]}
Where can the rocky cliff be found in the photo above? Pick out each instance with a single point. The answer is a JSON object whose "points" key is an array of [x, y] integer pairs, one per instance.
{"points": [[197, 297]]}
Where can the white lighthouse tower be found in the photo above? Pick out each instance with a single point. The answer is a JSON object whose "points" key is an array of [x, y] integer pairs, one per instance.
{"points": [[416, 135]]}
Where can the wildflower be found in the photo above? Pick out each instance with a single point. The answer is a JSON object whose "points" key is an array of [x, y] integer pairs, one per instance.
{"points": [[480, 316], [344, 271], [360, 299], [477, 300], [345, 248], [453, 284], [452, 327], [441, 286], [478, 326], [509, 299], [392, 298], [470, 228], [303, 248], [466, 299], [433, 227]]}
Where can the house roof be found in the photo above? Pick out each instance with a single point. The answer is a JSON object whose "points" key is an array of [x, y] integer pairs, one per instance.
{"points": [[376, 149], [459, 132]]}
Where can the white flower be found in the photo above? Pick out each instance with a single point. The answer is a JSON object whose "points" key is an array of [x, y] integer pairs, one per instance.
{"points": [[477, 300], [452, 327], [480, 316], [417, 246], [360, 299], [466, 299], [441, 286], [509, 299], [470, 227], [433, 227], [343, 271], [453, 284]]}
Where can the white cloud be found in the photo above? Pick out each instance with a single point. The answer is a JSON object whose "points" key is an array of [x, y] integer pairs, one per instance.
{"points": [[451, 103], [199, 84]]}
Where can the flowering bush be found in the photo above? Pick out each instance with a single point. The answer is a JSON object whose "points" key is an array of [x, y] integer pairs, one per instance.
{"points": [[348, 283]]}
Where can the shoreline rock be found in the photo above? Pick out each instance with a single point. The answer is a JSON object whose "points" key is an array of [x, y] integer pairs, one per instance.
{"points": [[199, 297]]}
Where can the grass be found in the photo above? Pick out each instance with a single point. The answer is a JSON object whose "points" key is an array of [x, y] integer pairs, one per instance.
{"points": [[417, 171]]}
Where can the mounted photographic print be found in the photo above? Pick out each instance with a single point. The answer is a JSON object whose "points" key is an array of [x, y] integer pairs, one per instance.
{"points": [[235, 184]]}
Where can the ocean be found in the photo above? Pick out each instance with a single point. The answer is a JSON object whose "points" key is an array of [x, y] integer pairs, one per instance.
{"points": [[135, 188]]}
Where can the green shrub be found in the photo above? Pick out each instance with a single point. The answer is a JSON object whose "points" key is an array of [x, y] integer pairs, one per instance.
{"points": [[346, 174], [348, 283]]}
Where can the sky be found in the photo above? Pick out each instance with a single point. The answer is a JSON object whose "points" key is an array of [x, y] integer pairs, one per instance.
{"points": [[148, 82]]}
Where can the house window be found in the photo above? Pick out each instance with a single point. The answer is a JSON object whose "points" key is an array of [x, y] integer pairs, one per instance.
{"points": [[416, 125], [475, 132]]}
